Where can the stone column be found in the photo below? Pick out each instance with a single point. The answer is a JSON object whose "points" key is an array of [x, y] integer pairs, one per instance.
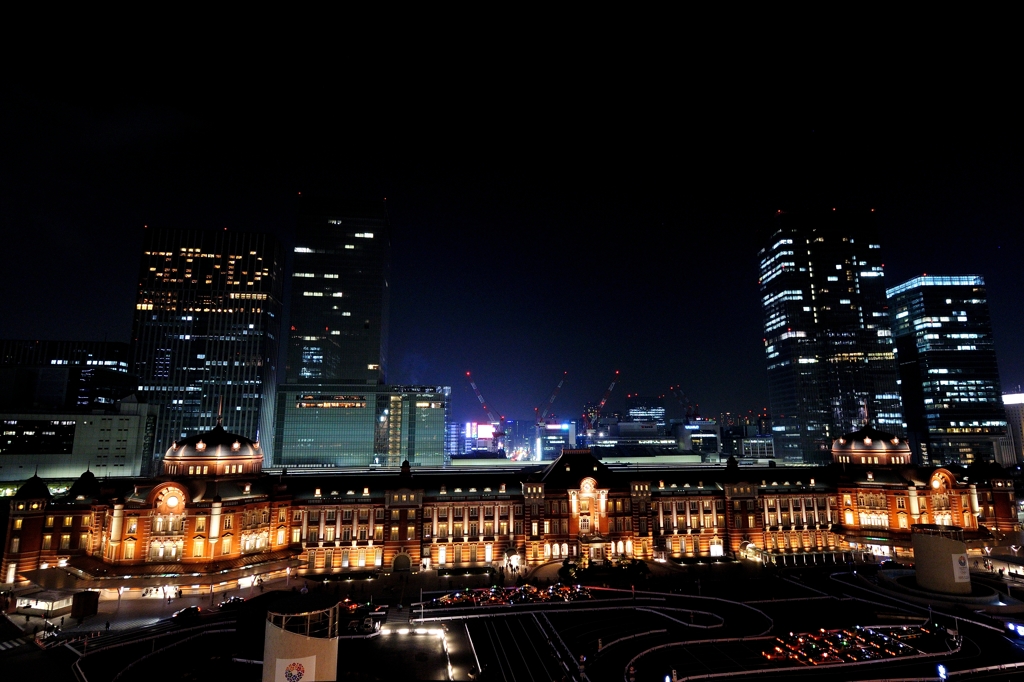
{"points": [[215, 511], [975, 506], [323, 525], [661, 516], [116, 527]]}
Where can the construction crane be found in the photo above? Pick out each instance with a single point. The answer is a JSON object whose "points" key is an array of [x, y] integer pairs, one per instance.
{"points": [[590, 420], [692, 412], [540, 415], [494, 419]]}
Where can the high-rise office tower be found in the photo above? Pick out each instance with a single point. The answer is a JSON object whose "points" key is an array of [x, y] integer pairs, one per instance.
{"points": [[206, 332], [339, 310], [64, 375], [828, 343], [947, 362]]}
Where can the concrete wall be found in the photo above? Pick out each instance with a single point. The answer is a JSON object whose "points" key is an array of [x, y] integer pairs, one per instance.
{"points": [[288, 657], [937, 561]]}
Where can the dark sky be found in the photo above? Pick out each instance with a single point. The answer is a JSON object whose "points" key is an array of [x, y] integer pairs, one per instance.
{"points": [[587, 215]]}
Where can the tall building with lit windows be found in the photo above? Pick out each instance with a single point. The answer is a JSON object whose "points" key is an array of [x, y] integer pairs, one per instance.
{"points": [[359, 425], [206, 333], [947, 362], [827, 338], [339, 302]]}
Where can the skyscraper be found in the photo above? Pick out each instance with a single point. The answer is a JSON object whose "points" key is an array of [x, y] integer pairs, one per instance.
{"points": [[63, 375], [827, 338], [947, 362], [339, 310], [206, 331]]}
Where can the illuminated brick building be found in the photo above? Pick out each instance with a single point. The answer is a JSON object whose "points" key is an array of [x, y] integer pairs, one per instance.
{"points": [[214, 511]]}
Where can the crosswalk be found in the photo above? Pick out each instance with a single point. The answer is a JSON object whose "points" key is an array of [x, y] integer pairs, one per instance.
{"points": [[13, 643]]}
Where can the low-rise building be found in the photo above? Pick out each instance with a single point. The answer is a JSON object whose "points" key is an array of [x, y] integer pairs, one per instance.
{"points": [[214, 508]]}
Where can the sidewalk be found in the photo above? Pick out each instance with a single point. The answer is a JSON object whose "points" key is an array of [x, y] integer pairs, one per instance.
{"points": [[133, 611]]}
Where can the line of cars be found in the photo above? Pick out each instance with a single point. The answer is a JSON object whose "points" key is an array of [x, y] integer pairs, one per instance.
{"points": [[506, 596], [844, 646]]}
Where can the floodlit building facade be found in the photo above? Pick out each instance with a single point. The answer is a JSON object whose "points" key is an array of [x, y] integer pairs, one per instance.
{"points": [[112, 442], [331, 425], [827, 337], [947, 361], [206, 332], [216, 517], [1013, 403]]}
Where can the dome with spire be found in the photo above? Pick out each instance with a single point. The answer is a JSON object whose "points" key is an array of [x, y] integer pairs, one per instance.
{"points": [[33, 489], [213, 453], [86, 488], [871, 446]]}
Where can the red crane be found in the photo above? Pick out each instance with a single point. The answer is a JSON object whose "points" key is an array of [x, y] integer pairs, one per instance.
{"points": [[551, 401], [499, 419], [590, 420], [691, 411]]}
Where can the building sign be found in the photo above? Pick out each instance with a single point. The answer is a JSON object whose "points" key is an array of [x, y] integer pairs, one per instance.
{"points": [[296, 669], [961, 569]]}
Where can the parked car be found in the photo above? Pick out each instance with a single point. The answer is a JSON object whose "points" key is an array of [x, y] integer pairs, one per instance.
{"points": [[231, 603]]}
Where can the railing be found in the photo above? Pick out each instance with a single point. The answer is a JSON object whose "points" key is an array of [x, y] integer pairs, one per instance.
{"points": [[169, 646]]}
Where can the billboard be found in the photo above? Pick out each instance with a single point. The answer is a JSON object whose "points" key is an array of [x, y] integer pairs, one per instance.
{"points": [[961, 569]]}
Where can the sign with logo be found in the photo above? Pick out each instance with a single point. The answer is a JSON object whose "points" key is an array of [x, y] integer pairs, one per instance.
{"points": [[961, 569], [296, 669]]}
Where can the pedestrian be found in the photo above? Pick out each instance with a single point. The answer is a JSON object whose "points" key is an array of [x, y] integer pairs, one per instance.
{"points": [[108, 626], [62, 621]]}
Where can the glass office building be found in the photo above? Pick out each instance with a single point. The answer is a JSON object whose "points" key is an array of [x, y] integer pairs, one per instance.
{"points": [[339, 299], [206, 331], [63, 375], [828, 344], [947, 362], [356, 425]]}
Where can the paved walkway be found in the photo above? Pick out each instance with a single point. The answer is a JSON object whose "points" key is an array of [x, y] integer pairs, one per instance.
{"points": [[134, 611]]}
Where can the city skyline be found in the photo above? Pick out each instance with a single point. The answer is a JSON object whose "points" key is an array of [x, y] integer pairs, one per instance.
{"points": [[515, 260]]}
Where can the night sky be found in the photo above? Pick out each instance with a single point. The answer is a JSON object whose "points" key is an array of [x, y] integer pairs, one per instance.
{"points": [[590, 217]]}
